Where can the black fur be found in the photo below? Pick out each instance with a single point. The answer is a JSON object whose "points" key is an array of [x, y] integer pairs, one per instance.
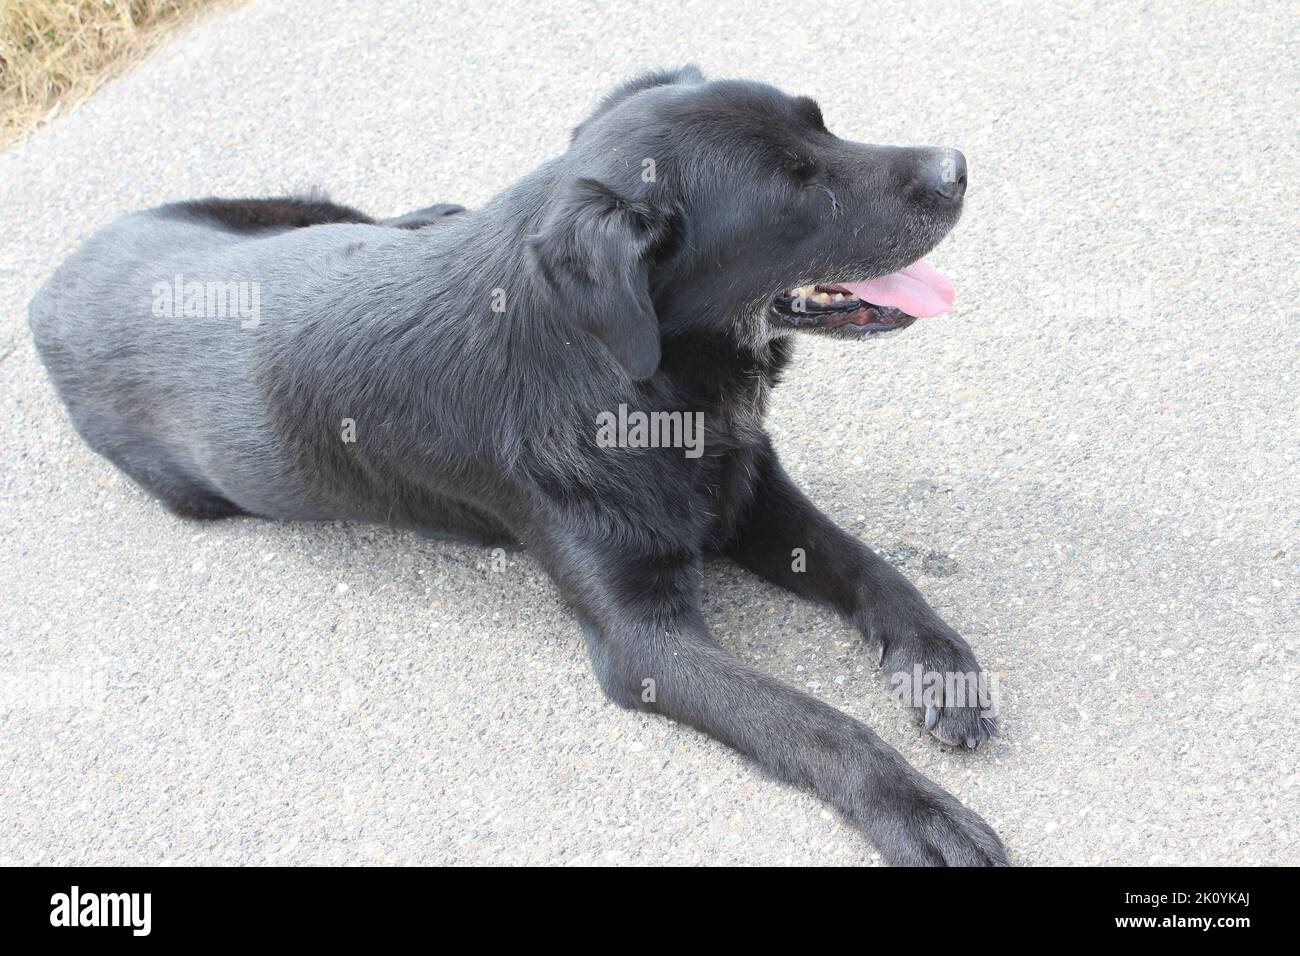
{"points": [[474, 359], [256, 215]]}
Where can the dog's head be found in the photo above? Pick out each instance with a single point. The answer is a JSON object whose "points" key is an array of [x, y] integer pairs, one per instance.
{"points": [[727, 205]]}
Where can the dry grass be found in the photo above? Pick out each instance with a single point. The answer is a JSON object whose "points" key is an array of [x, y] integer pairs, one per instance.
{"points": [[55, 53]]}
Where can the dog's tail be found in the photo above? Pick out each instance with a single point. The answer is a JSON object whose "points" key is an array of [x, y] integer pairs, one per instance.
{"points": [[256, 215]]}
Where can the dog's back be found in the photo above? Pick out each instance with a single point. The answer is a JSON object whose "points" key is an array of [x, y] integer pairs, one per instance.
{"points": [[216, 351], [150, 332]]}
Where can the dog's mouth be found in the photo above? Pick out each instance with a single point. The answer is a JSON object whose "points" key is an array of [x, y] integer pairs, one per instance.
{"points": [[875, 307]]}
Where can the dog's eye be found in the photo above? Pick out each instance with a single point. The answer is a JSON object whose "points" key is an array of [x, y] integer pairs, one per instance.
{"points": [[804, 170]]}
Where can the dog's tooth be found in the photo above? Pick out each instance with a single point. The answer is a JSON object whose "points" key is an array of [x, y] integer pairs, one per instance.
{"points": [[822, 298], [838, 297]]}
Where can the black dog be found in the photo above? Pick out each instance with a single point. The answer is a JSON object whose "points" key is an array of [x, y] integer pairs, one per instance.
{"points": [[451, 379]]}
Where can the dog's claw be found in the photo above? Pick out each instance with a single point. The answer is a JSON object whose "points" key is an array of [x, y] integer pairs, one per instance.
{"points": [[972, 743], [931, 716]]}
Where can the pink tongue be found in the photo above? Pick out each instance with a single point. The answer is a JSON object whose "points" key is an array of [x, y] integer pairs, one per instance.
{"points": [[920, 290]]}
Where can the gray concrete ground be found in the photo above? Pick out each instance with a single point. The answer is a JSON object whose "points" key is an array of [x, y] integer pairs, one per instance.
{"points": [[1090, 469]]}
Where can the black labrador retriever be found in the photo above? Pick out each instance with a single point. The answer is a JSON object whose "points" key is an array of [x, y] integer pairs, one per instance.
{"points": [[460, 372]]}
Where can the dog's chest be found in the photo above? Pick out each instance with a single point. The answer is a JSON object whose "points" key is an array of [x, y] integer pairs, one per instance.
{"points": [[725, 473], [738, 419]]}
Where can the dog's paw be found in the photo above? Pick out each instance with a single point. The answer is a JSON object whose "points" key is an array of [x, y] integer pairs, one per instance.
{"points": [[933, 672], [924, 826]]}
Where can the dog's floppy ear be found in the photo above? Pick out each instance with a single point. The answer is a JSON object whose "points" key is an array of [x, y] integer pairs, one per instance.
{"points": [[590, 261]]}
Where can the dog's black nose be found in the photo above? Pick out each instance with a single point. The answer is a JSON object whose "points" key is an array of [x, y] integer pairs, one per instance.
{"points": [[943, 173]]}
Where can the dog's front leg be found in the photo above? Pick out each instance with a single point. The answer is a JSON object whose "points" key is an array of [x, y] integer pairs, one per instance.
{"points": [[783, 537], [652, 651]]}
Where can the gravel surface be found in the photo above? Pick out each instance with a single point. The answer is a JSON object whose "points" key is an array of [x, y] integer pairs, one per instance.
{"points": [[1091, 469]]}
